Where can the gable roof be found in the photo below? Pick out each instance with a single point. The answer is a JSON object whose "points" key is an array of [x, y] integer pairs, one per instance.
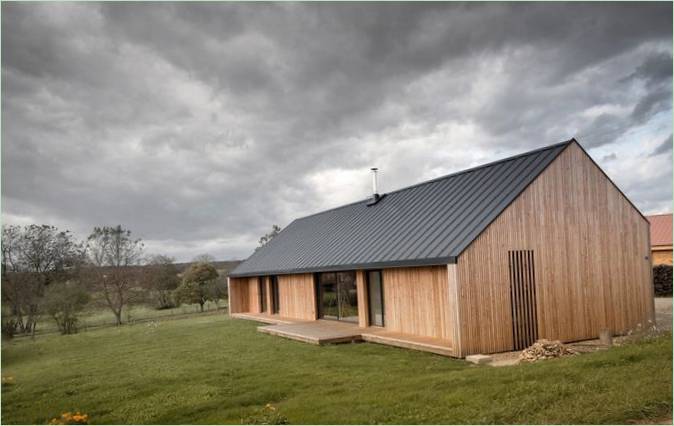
{"points": [[661, 229], [429, 223]]}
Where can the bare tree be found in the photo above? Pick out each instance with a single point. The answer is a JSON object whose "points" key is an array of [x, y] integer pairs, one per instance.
{"points": [[204, 258], [275, 229], [32, 257], [64, 300], [115, 256]]}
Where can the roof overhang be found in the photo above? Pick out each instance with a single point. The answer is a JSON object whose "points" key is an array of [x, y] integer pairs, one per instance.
{"points": [[336, 268]]}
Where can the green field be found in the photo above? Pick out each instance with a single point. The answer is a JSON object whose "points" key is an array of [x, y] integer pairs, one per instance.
{"points": [[96, 317], [210, 369]]}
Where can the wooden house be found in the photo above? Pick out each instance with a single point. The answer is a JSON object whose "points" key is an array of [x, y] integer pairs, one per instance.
{"points": [[661, 238], [489, 259]]}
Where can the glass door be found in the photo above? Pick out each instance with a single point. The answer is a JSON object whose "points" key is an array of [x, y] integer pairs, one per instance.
{"points": [[375, 298], [262, 291], [337, 296], [274, 295]]}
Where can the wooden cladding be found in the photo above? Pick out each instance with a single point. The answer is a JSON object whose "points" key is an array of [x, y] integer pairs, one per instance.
{"points": [[243, 295], [592, 270], [523, 298], [296, 296], [416, 301]]}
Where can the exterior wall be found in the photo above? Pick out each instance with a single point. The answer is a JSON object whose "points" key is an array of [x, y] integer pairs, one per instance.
{"points": [[662, 255], [363, 303], [297, 297], [590, 252], [243, 295], [416, 301]]}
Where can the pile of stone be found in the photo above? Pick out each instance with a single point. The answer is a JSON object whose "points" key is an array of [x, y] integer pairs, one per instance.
{"points": [[545, 349]]}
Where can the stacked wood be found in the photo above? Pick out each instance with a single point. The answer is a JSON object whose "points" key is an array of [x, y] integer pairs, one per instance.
{"points": [[662, 280], [545, 349]]}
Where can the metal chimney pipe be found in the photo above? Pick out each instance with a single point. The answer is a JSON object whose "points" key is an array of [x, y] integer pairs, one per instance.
{"points": [[375, 192]]}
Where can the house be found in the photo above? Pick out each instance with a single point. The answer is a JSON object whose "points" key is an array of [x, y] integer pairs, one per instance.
{"points": [[489, 259], [661, 238]]}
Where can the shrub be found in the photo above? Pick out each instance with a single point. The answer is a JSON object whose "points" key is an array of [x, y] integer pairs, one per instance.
{"points": [[662, 280], [64, 301], [9, 327], [267, 415]]}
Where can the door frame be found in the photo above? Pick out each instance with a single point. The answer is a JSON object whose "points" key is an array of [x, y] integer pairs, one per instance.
{"points": [[275, 297], [262, 294], [319, 293], [369, 301]]}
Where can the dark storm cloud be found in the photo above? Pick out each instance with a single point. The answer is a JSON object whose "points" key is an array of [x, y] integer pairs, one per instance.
{"points": [[198, 125]]}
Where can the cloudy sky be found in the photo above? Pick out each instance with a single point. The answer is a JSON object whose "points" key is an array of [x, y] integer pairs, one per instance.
{"points": [[198, 126]]}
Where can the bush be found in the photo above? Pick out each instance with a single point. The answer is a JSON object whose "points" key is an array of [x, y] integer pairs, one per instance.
{"points": [[662, 280], [64, 301], [9, 327]]}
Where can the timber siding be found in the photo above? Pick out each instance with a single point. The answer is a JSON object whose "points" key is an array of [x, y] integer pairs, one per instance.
{"points": [[540, 245], [591, 267]]}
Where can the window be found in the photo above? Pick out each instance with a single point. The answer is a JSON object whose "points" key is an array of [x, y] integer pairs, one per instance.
{"points": [[337, 296], [375, 297], [274, 295], [262, 291]]}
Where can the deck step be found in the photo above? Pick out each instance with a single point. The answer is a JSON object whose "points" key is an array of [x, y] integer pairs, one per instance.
{"points": [[311, 333], [408, 343], [267, 319]]}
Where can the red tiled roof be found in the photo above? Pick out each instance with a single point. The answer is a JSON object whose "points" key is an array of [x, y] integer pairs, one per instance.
{"points": [[661, 229]]}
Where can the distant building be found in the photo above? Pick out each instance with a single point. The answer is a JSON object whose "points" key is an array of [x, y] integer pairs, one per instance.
{"points": [[661, 238]]}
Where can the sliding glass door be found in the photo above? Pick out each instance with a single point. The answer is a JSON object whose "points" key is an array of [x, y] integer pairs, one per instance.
{"points": [[337, 296], [375, 297], [275, 299], [262, 291]]}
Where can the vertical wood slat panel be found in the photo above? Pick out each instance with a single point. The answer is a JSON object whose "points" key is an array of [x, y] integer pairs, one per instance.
{"points": [[363, 308], [590, 266], [523, 300], [416, 301], [297, 296]]}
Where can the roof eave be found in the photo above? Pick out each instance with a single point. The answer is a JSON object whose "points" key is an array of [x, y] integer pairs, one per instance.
{"points": [[436, 261]]}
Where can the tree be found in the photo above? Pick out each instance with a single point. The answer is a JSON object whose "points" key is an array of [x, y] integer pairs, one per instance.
{"points": [[199, 285], [275, 229], [64, 301], [116, 276], [161, 279], [32, 257], [204, 258]]}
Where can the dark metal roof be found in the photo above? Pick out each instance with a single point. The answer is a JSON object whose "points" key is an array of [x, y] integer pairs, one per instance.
{"points": [[430, 223]]}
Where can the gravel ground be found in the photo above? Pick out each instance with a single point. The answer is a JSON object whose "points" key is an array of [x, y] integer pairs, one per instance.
{"points": [[663, 319], [663, 312]]}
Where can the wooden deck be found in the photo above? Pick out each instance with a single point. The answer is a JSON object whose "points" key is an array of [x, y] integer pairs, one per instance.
{"points": [[324, 332], [265, 318], [319, 332], [407, 341]]}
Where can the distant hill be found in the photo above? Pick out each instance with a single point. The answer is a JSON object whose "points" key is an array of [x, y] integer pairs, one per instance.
{"points": [[223, 266]]}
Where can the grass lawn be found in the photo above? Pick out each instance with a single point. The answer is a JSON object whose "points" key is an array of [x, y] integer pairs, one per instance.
{"points": [[210, 369], [101, 316]]}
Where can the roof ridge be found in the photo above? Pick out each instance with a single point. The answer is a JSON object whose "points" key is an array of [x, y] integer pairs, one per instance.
{"points": [[457, 173]]}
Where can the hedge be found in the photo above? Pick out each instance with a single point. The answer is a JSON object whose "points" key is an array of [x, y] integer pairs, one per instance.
{"points": [[662, 280]]}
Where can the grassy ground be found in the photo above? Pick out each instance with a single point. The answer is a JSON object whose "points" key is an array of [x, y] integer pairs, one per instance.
{"points": [[210, 369], [101, 316]]}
